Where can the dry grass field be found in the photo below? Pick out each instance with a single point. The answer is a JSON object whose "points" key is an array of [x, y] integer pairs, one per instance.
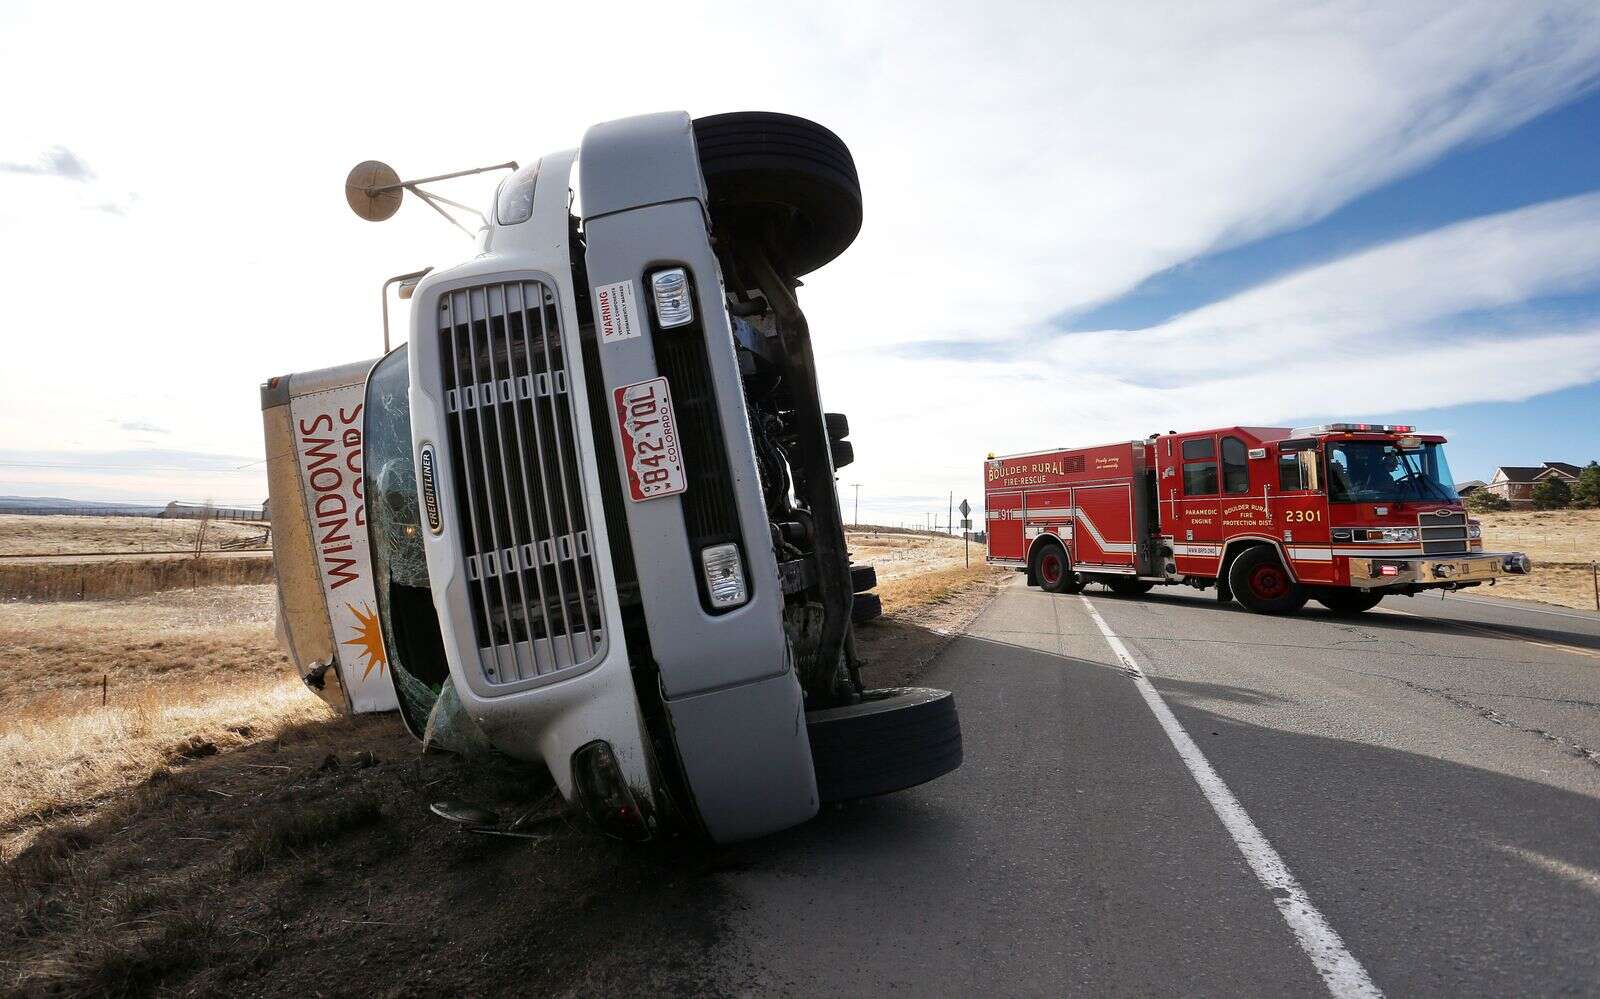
{"points": [[179, 669], [1562, 544], [214, 828], [22, 534], [920, 570], [101, 577], [107, 561]]}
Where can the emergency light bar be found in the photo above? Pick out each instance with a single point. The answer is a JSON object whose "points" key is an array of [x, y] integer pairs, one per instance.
{"points": [[1352, 428]]}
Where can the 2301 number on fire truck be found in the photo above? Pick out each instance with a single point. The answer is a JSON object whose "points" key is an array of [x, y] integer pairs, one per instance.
{"points": [[649, 432]]}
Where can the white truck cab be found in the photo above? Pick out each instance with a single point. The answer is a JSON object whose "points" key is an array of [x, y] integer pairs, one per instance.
{"points": [[599, 488]]}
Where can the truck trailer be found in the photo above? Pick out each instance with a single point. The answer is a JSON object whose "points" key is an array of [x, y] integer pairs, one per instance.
{"points": [[587, 516], [1343, 513]]}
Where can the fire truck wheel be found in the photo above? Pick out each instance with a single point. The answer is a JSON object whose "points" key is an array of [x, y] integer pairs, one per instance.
{"points": [[1122, 586], [763, 168], [1261, 583], [1051, 569], [1346, 603], [893, 739]]}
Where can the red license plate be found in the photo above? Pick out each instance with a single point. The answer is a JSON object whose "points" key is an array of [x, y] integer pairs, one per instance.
{"points": [[650, 440]]}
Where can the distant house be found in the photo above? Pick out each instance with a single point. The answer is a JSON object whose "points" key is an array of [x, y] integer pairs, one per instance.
{"points": [[1514, 483], [1467, 488]]}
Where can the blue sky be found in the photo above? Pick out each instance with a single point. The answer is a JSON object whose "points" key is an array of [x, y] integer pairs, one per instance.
{"points": [[1554, 156]]}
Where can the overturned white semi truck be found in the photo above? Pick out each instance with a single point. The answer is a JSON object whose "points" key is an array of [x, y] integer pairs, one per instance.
{"points": [[587, 515]]}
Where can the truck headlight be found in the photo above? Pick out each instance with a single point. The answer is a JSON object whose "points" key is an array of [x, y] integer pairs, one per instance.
{"points": [[671, 290], [1396, 535], [603, 792], [724, 571], [1474, 530]]}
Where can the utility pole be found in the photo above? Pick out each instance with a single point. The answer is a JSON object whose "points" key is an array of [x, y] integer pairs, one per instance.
{"points": [[949, 516], [857, 487]]}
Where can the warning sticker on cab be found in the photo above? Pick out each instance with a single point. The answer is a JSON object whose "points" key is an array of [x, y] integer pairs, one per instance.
{"points": [[616, 312], [650, 440]]}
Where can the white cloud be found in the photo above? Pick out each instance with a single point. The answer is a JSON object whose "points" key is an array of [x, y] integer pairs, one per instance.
{"points": [[56, 162], [1018, 160], [1368, 305], [1396, 328], [1055, 158]]}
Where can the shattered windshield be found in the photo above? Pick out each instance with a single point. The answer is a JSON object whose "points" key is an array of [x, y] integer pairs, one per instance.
{"points": [[405, 603], [1383, 472]]}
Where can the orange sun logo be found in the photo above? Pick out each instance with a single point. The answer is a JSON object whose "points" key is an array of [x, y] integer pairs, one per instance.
{"points": [[369, 639]]}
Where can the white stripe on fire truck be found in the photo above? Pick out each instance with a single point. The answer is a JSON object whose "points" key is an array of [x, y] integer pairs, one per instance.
{"points": [[1311, 554], [1300, 552], [1088, 525]]}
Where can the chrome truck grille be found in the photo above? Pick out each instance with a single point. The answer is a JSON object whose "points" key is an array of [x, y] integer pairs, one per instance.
{"points": [[1444, 534], [522, 512]]}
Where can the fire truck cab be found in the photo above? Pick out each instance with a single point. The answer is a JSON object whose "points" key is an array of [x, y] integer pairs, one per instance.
{"points": [[1343, 513]]}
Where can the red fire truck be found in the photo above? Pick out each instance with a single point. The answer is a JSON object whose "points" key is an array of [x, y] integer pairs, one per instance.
{"points": [[1344, 513]]}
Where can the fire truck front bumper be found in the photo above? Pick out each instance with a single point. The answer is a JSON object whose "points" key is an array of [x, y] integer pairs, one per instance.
{"points": [[1432, 571]]}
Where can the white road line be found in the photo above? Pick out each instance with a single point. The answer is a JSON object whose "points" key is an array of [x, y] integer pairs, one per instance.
{"points": [[1339, 969], [1505, 603]]}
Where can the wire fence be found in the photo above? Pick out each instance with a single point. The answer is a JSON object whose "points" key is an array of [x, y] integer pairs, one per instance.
{"points": [[48, 510], [202, 528]]}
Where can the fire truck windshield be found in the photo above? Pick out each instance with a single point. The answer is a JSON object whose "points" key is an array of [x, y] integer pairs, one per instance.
{"points": [[1381, 472]]}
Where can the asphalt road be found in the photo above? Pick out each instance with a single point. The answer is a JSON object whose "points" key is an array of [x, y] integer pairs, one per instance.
{"points": [[1426, 776]]}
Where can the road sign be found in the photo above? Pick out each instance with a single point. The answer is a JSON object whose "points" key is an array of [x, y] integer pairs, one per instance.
{"points": [[966, 533]]}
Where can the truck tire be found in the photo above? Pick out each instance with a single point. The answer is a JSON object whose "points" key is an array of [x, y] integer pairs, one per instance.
{"points": [[1348, 603], [1053, 569], [765, 168], [893, 739], [1261, 584], [1127, 586], [866, 607], [862, 578]]}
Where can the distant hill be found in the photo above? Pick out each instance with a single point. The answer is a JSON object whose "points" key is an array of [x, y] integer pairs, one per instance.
{"points": [[61, 505]]}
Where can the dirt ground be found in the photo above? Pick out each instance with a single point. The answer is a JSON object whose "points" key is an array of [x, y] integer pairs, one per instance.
{"points": [[1562, 544], [23, 534], [215, 829]]}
